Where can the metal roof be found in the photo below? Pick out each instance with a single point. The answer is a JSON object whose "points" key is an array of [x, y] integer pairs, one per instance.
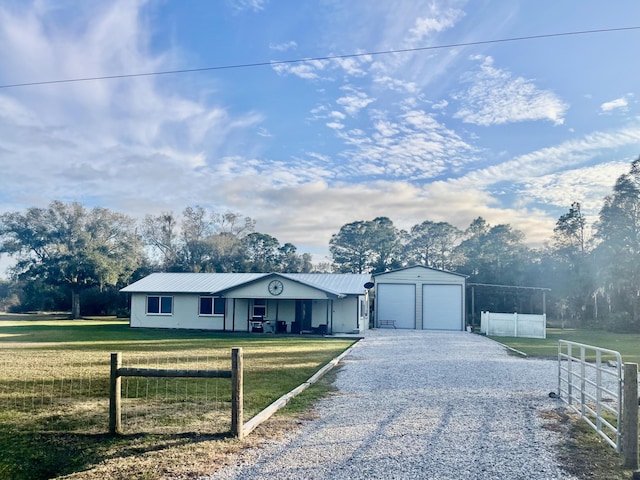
{"points": [[190, 282], [335, 283]]}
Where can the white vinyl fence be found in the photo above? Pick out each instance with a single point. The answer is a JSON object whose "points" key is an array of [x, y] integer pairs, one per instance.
{"points": [[513, 325]]}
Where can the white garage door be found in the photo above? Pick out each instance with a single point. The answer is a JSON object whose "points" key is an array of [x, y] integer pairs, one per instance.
{"points": [[442, 307], [397, 302]]}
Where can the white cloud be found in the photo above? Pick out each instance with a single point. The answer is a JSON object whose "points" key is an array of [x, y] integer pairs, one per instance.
{"points": [[412, 145], [618, 103], [335, 125], [495, 97], [588, 185], [353, 66], [283, 47], [308, 70], [263, 132], [384, 145], [253, 5], [354, 101], [436, 22], [549, 160], [440, 105], [313, 69], [395, 84], [310, 213], [114, 141]]}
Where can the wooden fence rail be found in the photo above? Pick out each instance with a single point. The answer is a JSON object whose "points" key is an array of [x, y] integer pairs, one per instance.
{"points": [[235, 374]]}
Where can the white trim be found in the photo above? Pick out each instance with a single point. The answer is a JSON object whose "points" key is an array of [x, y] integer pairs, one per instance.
{"points": [[159, 312], [213, 306]]}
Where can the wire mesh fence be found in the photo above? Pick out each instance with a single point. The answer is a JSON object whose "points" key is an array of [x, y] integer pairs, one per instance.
{"points": [[60, 390], [175, 405]]}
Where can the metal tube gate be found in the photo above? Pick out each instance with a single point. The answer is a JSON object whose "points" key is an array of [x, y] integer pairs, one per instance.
{"points": [[582, 385]]}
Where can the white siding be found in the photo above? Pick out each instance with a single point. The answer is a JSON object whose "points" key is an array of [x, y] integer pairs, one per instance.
{"points": [[346, 318], [185, 314], [417, 277], [291, 290]]}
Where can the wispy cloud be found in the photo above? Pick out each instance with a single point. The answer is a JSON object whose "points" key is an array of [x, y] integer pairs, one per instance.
{"points": [[564, 156], [413, 145], [354, 100], [440, 105], [283, 47], [437, 20], [396, 84], [587, 185], [102, 138], [618, 104], [496, 97], [309, 70], [316, 69], [253, 5], [380, 140]]}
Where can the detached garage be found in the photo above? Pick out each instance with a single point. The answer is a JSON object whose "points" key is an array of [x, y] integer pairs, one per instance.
{"points": [[420, 298]]}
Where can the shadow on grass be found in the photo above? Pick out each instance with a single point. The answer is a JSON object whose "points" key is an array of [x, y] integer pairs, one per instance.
{"points": [[45, 455]]}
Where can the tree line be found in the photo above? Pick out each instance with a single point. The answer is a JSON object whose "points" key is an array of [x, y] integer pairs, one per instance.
{"points": [[66, 252]]}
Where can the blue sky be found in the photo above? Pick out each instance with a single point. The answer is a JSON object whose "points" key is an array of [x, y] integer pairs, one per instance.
{"points": [[511, 131]]}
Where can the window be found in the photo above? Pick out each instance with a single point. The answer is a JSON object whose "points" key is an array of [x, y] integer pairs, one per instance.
{"points": [[157, 305], [212, 306], [260, 307]]}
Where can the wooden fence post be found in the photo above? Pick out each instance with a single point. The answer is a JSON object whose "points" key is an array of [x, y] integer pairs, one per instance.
{"points": [[236, 392], [630, 416], [115, 388]]}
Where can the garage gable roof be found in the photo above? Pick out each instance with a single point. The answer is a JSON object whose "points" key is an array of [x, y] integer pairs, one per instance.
{"points": [[423, 267], [338, 284]]}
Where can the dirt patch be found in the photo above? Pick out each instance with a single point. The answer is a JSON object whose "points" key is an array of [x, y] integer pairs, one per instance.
{"points": [[582, 452], [182, 458]]}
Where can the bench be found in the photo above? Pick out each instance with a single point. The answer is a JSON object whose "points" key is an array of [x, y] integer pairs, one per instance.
{"points": [[387, 323]]}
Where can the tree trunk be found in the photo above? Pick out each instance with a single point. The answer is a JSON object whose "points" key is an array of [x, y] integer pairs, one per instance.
{"points": [[75, 304]]}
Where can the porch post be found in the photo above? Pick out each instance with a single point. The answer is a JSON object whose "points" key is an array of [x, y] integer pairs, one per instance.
{"points": [[331, 314], [326, 314], [473, 305]]}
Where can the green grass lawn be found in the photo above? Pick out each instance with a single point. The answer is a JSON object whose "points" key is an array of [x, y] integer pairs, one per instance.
{"points": [[627, 344], [44, 362]]}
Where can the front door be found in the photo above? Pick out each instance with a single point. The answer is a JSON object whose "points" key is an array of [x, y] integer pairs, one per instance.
{"points": [[303, 314]]}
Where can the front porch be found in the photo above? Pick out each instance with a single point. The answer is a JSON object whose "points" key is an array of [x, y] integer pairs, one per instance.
{"points": [[292, 316]]}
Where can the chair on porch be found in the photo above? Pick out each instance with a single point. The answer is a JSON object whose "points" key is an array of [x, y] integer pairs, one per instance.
{"points": [[257, 324]]}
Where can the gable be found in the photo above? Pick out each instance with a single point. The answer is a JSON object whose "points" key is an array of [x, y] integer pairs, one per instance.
{"points": [[278, 288], [420, 274]]}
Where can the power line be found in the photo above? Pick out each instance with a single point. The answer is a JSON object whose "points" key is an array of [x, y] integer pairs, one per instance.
{"points": [[329, 57]]}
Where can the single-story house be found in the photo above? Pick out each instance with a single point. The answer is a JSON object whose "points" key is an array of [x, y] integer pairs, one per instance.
{"points": [[246, 302], [420, 298]]}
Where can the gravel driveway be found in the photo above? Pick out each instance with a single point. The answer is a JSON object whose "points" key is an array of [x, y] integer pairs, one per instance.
{"points": [[428, 405]]}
